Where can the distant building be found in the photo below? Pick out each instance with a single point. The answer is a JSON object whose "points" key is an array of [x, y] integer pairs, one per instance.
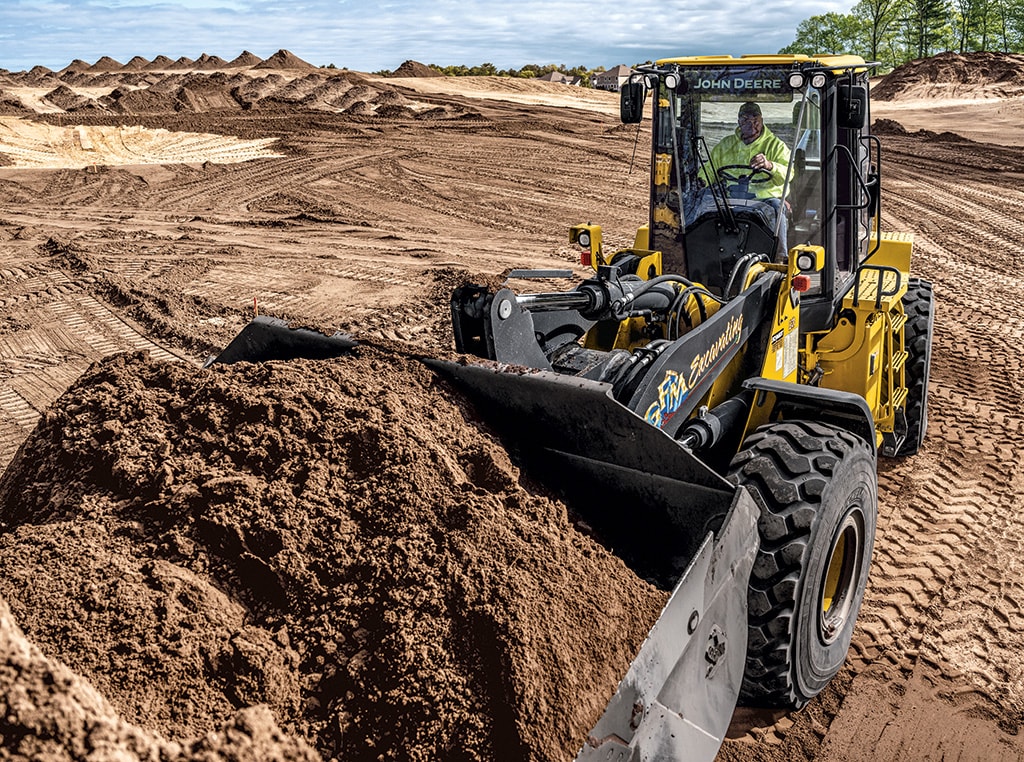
{"points": [[612, 79], [562, 79]]}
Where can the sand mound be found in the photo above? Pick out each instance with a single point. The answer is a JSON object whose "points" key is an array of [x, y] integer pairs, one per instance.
{"points": [[11, 104], [106, 63], [245, 58], [143, 101], [284, 59], [336, 540], [256, 89], [210, 62], [77, 65], [65, 98], [954, 75], [184, 62], [160, 62], [137, 63], [415, 69]]}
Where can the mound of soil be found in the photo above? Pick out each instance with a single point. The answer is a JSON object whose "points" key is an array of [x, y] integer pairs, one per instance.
{"points": [[284, 59], [246, 59], [50, 713], [160, 62], [137, 63], [206, 92], [415, 69], [11, 103], [65, 98], [77, 65], [206, 61], [257, 89], [106, 63], [338, 540], [954, 75], [144, 101]]}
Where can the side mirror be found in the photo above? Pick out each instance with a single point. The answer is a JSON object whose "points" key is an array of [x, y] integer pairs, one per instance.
{"points": [[631, 102], [853, 106]]}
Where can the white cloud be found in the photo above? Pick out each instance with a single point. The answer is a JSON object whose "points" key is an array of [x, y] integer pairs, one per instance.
{"points": [[371, 37]]}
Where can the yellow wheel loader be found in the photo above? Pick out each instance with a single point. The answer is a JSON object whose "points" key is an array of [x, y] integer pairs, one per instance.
{"points": [[710, 403]]}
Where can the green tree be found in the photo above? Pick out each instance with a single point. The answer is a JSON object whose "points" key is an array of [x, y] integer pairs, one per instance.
{"points": [[878, 24], [831, 33], [928, 25]]}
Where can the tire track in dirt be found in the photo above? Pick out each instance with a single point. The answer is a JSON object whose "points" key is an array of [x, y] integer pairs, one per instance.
{"points": [[238, 187], [946, 511], [929, 623], [70, 329]]}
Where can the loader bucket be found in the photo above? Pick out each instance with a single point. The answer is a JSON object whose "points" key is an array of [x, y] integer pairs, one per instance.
{"points": [[670, 518], [267, 338]]}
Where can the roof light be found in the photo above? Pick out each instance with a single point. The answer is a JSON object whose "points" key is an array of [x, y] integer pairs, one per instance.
{"points": [[818, 79], [672, 81], [796, 79]]}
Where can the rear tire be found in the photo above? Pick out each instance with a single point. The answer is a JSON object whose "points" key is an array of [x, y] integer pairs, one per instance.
{"points": [[817, 488], [919, 305]]}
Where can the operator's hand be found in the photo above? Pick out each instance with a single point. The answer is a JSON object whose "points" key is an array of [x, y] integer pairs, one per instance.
{"points": [[760, 162]]}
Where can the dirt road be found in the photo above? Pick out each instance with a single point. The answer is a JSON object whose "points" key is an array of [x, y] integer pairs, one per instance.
{"points": [[364, 224]]}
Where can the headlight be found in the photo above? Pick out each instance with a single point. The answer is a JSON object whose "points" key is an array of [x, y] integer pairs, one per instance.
{"points": [[584, 239], [805, 261], [796, 80]]}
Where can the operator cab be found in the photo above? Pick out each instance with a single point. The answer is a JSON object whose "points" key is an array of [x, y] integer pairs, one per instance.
{"points": [[710, 212]]}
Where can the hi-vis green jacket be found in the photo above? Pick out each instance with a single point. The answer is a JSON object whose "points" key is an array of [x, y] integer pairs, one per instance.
{"points": [[732, 150]]}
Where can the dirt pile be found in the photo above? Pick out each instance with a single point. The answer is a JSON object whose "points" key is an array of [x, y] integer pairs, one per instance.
{"points": [[415, 69], [337, 540], [954, 75], [245, 59], [51, 713], [284, 59], [65, 98]]}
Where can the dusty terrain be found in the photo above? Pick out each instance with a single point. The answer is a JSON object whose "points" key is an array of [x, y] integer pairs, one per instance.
{"points": [[336, 560]]}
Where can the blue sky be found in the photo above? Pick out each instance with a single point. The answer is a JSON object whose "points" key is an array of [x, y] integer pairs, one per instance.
{"points": [[370, 36]]}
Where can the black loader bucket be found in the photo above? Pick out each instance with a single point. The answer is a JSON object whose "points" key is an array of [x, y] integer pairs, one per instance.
{"points": [[668, 516], [267, 338]]}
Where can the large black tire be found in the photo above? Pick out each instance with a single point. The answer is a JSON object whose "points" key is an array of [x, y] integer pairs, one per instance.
{"points": [[919, 304], [817, 489]]}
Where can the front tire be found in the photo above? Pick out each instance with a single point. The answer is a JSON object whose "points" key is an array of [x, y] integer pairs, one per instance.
{"points": [[817, 488]]}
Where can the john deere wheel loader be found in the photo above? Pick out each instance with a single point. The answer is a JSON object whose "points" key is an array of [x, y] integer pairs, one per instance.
{"points": [[711, 407]]}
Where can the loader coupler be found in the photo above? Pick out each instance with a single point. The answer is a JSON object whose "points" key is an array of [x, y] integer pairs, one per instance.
{"points": [[267, 338], [671, 519]]}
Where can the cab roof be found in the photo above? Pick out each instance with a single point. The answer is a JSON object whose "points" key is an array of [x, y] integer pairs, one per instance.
{"points": [[826, 61]]}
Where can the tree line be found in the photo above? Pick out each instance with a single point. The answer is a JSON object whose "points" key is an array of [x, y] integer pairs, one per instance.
{"points": [[529, 71], [896, 31]]}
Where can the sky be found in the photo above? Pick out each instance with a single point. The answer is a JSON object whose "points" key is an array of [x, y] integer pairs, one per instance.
{"points": [[374, 36]]}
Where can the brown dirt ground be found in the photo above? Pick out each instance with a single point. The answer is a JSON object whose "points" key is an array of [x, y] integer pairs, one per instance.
{"points": [[336, 559]]}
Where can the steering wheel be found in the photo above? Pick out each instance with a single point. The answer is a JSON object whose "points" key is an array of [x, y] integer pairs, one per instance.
{"points": [[743, 174]]}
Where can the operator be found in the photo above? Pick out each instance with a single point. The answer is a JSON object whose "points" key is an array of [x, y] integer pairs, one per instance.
{"points": [[754, 145]]}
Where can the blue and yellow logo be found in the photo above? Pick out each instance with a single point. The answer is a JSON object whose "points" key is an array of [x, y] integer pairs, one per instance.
{"points": [[675, 387]]}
